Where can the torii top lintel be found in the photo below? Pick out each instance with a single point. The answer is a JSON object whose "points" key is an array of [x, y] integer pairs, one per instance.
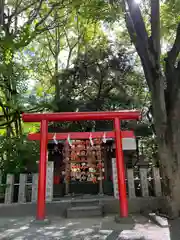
{"points": [[79, 116]]}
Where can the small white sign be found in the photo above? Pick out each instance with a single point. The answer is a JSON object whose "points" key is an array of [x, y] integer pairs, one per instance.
{"points": [[115, 180], [128, 144]]}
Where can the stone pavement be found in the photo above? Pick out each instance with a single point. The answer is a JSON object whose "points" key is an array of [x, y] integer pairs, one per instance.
{"points": [[82, 229]]}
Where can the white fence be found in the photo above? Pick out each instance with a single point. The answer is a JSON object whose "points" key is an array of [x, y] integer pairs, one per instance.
{"points": [[140, 181]]}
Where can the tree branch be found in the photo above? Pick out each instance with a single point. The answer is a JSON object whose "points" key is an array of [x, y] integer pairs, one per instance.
{"points": [[131, 29], [173, 54], [172, 68], [48, 14], [4, 124], [50, 46], [51, 35], [139, 37], [138, 21], [1, 13], [34, 13], [19, 11], [155, 29], [147, 54]]}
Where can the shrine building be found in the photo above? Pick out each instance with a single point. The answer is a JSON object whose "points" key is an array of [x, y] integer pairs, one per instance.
{"points": [[86, 166]]}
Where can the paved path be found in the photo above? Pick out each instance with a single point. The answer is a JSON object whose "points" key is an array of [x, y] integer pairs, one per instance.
{"points": [[82, 229]]}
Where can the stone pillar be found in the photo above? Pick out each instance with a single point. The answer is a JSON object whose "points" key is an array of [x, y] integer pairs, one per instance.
{"points": [[130, 180], [49, 181], [34, 187], [22, 188], [144, 182], [115, 180], [157, 182], [9, 189]]}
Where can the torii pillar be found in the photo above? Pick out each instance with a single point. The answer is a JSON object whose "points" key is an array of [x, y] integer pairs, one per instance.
{"points": [[44, 118]]}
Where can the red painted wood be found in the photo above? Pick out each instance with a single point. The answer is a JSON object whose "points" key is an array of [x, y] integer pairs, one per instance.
{"points": [[120, 170], [77, 116], [44, 118], [42, 172], [81, 135]]}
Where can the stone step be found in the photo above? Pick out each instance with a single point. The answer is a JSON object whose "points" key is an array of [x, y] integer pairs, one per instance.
{"points": [[84, 202], [57, 199], [84, 211]]}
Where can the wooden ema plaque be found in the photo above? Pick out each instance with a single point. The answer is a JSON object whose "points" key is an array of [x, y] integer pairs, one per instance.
{"points": [[84, 162]]}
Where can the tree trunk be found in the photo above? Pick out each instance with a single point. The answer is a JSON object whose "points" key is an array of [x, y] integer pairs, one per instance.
{"points": [[1, 13], [57, 83], [165, 93], [170, 171], [169, 153]]}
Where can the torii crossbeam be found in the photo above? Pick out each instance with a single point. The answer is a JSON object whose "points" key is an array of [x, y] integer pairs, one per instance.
{"points": [[80, 135], [44, 118]]}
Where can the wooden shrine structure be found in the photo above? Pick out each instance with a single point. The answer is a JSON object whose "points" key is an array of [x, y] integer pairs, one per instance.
{"points": [[92, 157], [82, 165]]}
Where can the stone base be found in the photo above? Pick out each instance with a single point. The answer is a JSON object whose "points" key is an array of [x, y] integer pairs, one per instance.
{"points": [[160, 221], [68, 195], [84, 212], [133, 235], [40, 222], [124, 220], [101, 194]]}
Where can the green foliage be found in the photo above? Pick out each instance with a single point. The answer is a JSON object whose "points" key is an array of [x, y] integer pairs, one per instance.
{"points": [[103, 78], [13, 86], [170, 18], [30, 127], [100, 10], [18, 155], [57, 56], [148, 148]]}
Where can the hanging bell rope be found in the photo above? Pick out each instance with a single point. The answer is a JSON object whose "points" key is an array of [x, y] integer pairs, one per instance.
{"points": [[54, 139], [104, 139], [69, 140]]}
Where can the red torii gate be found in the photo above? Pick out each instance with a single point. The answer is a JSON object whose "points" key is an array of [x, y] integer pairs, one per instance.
{"points": [[44, 118], [80, 135]]}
